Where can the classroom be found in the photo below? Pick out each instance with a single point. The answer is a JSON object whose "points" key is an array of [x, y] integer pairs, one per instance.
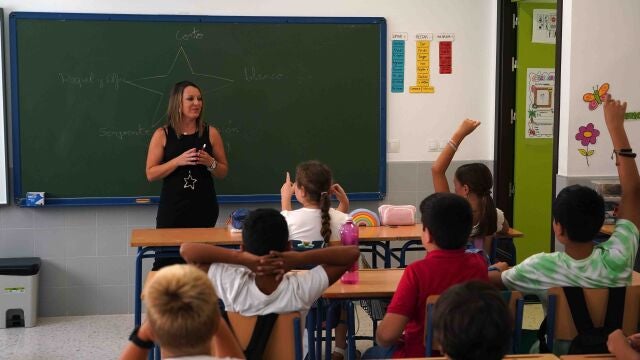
{"points": [[380, 130]]}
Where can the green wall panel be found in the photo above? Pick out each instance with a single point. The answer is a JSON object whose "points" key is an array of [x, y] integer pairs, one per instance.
{"points": [[533, 168]]}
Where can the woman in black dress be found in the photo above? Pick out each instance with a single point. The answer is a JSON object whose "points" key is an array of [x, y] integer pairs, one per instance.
{"points": [[186, 154]]}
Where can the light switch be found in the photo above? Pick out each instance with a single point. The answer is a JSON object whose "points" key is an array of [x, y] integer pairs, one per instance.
{"points": [[394, 146]]}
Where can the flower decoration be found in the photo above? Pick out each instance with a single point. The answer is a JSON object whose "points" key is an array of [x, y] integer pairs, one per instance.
{"points": [[587, 135]]}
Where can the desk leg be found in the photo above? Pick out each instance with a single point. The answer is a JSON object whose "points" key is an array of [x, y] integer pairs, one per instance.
{"points": [[387, 255], [318, 330], [138, 288], [327, 329], [351, 328]]}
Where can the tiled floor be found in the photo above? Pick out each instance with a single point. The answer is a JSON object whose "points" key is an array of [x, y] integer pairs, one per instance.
{"points": [[104, 336]]}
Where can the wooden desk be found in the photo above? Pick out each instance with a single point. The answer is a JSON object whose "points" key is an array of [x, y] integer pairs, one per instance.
{"points": [[409, 232], [373, 284], [176, 237], [589, 356]]}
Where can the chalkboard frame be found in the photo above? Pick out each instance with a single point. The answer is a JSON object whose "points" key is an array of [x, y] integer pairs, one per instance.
{"points": [[14, 17]]}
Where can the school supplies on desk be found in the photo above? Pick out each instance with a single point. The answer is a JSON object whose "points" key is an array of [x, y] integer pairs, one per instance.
{"points": [[397, 214]]}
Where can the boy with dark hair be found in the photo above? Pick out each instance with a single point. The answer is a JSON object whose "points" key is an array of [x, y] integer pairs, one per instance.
{"points": [[471, 321], [446, 223], [578, 214], [256, 281]]}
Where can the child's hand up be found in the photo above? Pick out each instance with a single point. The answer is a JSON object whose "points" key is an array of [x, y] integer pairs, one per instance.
{"points": [[286, 191], [466, 127]]}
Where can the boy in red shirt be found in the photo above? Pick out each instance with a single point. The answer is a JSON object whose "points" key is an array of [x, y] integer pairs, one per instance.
{"points": [[446, 223]]}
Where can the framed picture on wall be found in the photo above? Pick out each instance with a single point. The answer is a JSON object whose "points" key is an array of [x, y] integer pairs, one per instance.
{"points": [[3, 120]]}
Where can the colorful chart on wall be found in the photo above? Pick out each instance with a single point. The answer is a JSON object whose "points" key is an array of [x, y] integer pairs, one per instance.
{"points": [[540, 90]]}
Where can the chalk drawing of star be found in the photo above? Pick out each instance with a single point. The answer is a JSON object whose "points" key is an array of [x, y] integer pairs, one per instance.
{"points": [[189, 181], [179, 69]]}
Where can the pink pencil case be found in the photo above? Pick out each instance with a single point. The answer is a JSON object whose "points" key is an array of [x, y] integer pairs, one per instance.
{"points": [[397, 214]]}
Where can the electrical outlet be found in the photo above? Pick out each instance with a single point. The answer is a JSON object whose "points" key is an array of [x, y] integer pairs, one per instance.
{"points": [[432, 145]]}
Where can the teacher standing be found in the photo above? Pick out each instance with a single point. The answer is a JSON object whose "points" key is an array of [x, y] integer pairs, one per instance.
{"points": [[186, 154]]}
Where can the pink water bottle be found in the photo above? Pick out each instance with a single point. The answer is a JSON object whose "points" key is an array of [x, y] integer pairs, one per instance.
{"points": [[349, 236]]}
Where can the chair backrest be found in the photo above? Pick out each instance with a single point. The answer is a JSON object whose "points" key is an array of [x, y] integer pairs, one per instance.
{"points": [[285, 340], [559, 317], [515, 303]]}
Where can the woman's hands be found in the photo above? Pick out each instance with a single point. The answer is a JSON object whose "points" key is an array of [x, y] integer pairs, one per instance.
{"points": [[203, 158], [189, 157]]}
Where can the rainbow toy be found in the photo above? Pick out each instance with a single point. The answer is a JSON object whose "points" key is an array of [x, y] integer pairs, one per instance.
{"points": [[365, 217]]}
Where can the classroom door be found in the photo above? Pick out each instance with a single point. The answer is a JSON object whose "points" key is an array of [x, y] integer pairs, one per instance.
{"points": [[533, 140]]}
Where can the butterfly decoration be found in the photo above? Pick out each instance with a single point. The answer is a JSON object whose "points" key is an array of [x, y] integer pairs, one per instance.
{"points": [[595, 98]]}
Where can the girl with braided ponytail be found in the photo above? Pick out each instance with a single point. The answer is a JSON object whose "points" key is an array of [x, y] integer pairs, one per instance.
{"points": [[473, 182], [316, 221]]}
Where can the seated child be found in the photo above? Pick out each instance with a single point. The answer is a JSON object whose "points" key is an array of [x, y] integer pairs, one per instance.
{"points": [[578, 215], [471, 321], [316, 220], [256, 281], [446, 222], [183, 318]]}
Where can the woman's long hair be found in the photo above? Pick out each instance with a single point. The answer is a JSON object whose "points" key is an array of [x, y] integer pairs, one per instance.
{"points": [[174, 109]]}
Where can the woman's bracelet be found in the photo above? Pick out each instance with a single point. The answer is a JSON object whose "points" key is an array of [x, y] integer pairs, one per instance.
{"points": [[453, 145]]}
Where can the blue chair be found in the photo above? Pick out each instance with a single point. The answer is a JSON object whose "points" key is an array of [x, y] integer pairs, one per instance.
{"points": [[514, 300]]}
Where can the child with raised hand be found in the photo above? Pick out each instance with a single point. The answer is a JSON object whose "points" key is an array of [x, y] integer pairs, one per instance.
{"points": [[183, 318], [316, 220], [473, 182], [578, 215]]}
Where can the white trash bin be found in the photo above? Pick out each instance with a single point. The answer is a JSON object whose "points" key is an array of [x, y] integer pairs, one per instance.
{"points": [[18, 292]]}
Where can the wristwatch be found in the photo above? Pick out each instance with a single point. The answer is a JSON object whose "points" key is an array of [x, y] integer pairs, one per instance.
{"points": [[213, 165], [139, 342]]}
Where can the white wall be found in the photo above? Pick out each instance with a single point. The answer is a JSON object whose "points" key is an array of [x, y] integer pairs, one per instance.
{"points": [[599, 44], [413, 119]]}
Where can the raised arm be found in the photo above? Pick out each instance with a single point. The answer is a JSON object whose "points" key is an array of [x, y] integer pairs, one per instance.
{"points": [[286, 192], [341, 195], [439, 168], [627, 169]]}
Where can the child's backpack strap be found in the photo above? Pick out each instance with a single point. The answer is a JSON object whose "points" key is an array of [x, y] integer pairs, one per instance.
{"points": [[260, 336], [592, 340]]}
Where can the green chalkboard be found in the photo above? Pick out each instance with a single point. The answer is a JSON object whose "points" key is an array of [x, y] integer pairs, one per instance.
{"points": [[88, 90]]}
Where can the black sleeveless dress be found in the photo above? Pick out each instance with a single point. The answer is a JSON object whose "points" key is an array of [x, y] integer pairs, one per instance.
{"points": [[188, 197]]}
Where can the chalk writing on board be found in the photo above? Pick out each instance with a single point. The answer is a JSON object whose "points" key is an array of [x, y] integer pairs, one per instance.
{"points": [[91, 79], [159, 83], [122, 134], [194, 34], [250, 74]]}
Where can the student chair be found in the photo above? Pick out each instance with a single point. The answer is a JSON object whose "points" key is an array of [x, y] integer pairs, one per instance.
{"points": [[560, 325], [515, 302], [285, 339]]}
